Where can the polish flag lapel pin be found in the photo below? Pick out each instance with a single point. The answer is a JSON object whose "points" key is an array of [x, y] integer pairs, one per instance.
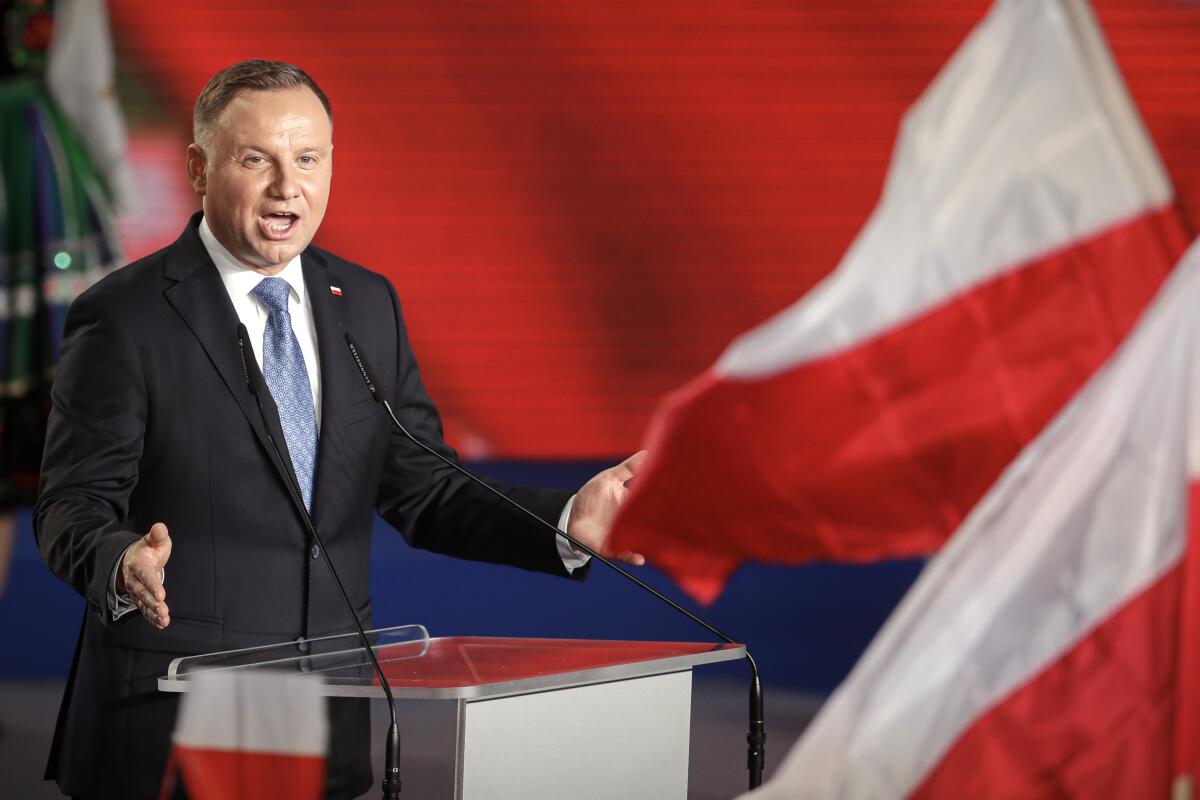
{"points": [[336, 291]]}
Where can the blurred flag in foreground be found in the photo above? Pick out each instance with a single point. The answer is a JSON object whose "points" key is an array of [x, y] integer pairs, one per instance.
{"points": [[1025, 223], [81, 73], [1052, 648], [251, 736]]}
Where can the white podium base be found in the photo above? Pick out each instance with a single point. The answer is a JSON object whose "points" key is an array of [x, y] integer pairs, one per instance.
{"points": [[623, 739]]}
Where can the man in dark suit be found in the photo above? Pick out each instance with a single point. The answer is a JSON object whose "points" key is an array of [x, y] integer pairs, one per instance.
{"points": [[158, 480]]}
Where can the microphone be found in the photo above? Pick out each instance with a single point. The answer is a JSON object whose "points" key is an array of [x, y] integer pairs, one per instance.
{"points": [[756, 737], [258, 387], [254, 377]]}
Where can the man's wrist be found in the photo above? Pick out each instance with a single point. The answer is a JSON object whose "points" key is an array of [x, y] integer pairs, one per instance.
{"points": [[118, 603], [572, 557]]}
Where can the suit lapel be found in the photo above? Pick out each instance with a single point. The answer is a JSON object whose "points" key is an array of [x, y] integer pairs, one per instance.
{"points": [[198, 295], [335, 379]]}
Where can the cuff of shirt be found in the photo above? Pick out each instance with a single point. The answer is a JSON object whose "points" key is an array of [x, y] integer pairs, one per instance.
{"points": [[572, 559], [120, 605]]}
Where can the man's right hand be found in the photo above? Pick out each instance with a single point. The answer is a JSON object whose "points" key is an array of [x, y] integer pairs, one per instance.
{"points": [[140, 577]]}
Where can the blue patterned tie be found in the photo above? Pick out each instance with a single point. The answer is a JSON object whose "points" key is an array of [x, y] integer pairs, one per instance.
{"points": [[287, 378]]}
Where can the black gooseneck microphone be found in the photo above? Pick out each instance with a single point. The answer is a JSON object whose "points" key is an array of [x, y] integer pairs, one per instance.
{"points": [[756, 737], [258, 386]]}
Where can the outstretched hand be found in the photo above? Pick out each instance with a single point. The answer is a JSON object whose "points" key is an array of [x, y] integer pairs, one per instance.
{"points": [[140, 576], [596, 507]]}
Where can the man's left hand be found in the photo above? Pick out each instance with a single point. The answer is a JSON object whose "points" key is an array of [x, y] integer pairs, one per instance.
{"points": [[596, 507]]}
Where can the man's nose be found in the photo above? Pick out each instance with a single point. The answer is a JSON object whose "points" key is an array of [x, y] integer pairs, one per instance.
{"points": [[285, 185]]}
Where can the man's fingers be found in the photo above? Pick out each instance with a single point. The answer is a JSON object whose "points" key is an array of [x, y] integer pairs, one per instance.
{"points": [[634, 559], [159, 618], [627, 470], [144, 588], [596, 506], [139, 577], [147, 577], [150, 600], [150, 588], [137, 591], [156, 614], [158, 544], [147, 597], [158, 536]]}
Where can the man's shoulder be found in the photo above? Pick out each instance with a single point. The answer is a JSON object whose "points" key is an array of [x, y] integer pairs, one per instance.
{"points": [[135, 278]]}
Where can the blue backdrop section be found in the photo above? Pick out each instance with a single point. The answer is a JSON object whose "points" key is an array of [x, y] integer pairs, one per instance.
{"points": [[805, 625]]}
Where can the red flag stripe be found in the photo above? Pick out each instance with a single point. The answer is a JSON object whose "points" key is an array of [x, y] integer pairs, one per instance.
{"points": [[239, 775], [1186, 734], [921, 419], [1095, 723]]}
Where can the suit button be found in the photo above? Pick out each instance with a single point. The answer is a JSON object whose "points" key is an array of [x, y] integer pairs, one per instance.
{"points": [[302, 645], [316, 551]]}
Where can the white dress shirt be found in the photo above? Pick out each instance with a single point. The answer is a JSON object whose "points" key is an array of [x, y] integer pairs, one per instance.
{"points": [[240, 281]]}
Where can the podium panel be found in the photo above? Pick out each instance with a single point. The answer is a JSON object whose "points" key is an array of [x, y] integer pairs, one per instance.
{"points": [[626, 739]]}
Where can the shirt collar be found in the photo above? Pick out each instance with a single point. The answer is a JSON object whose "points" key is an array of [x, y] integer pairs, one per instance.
{"points": [[240, 279]]}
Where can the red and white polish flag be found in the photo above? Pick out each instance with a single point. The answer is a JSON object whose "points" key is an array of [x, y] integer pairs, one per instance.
{"points": [[251, 736], [1052, 648], [1024, 225]]}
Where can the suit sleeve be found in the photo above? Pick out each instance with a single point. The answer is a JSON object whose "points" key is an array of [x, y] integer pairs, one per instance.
{"points": [[93, 446], [437, 508]]}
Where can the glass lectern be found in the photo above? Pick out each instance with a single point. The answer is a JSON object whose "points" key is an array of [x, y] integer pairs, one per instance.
{"points": [[535, 718]]}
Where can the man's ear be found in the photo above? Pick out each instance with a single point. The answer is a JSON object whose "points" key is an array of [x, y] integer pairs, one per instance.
{"points": [[197, 169]]}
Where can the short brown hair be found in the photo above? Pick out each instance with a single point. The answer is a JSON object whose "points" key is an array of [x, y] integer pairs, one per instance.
{"points": [[256, 74]]}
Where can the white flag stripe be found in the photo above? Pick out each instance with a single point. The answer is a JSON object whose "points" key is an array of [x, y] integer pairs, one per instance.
{"points": [[258, 712], [1025, 143], [1089, 515]]}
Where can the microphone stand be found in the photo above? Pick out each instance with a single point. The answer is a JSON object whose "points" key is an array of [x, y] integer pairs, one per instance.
{"points": [[257, 386], [756, 737]]}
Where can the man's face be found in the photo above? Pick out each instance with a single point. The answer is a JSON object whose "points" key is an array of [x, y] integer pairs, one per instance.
{"points": [[264, 180]]}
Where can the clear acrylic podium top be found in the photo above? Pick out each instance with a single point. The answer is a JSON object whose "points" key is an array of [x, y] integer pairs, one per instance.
{"points": [[454, 667]]}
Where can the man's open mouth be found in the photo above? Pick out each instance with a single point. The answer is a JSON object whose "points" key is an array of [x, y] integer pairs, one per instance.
{"points": [[280, 220], [278, 224]]}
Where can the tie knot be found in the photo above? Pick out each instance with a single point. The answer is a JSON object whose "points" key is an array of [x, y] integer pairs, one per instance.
{"points": [[273, 293]]}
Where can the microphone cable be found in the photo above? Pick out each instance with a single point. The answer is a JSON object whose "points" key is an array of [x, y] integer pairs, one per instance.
{"points": [[756, 736], [256, 384]]}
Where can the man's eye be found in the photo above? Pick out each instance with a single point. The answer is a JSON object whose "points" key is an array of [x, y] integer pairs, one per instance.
{"points": [[253, 161], [308, 161]]}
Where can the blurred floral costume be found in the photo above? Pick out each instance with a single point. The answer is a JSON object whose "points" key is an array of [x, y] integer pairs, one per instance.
{"points": [[56, 206]]}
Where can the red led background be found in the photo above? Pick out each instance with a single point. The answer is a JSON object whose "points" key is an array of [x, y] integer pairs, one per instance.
{"points": [[581, 202]]}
